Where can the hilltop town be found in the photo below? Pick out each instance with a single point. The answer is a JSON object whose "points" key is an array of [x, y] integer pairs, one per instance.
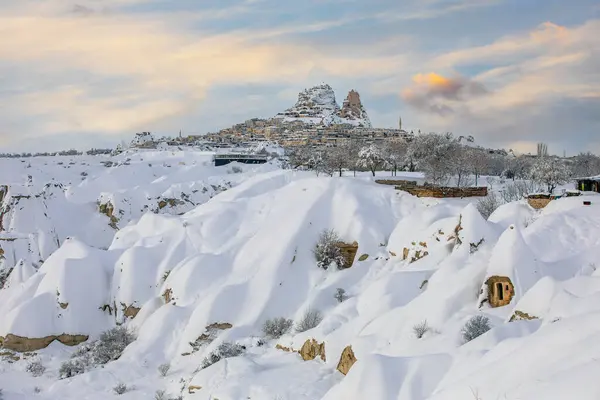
{"points": [[315, 119]]}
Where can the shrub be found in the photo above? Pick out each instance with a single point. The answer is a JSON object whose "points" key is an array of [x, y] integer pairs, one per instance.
{"points": [[327, 252], [36, 368], [37, 390], [277, 327], [160, 395], [421, 329], [109, 347], [487, 205], [163, 369], [475, 327], [340, 295], [225, 350], [120, 388], [236, 169], [71, 368], [310, 319], [1, 395]]}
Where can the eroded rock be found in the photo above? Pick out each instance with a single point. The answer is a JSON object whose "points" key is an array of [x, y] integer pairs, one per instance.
{"points": [[23, 344], [311, 349], [347, 360]]}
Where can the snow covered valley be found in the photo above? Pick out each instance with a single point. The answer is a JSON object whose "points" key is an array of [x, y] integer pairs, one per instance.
{"points": [[213, 272]]}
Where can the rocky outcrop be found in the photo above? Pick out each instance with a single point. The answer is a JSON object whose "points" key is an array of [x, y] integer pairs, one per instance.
{"points": [[24, 344], [193, 389], [108, 209], [353, 110], [130, 311], [521, 316], [317, 105], [349, 251], [312, 349], [347, 360]]}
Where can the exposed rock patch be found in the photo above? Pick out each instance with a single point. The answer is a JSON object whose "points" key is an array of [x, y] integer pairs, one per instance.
{"points": [[349, 251], [312, 349], [23, 344], [347, 360]]}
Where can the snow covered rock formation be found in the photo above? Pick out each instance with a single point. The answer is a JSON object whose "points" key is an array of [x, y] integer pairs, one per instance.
{"points": [[317, 105]]}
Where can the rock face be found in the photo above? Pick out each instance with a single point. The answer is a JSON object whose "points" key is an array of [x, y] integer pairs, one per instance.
{"points": [[23, 344], [349, 251], [312, 349], [353, 110], [500, 290], [317, 105], [347, 360]]}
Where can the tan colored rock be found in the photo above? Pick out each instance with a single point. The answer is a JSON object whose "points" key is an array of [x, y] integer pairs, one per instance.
{"points": [[193, 389], [312, 349], [500, 290], [349, 251], [220, 326], [24, 344], [168, 295], [130, 311], [63, 305], [72, 340], [521, 316], [347, 360], [287, 349]]}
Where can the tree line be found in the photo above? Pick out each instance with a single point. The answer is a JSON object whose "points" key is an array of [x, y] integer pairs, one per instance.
{"points": [[442, 158]]}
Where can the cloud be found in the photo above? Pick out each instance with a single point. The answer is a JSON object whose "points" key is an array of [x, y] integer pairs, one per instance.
{"points": [[541, 86], [437, 94]]}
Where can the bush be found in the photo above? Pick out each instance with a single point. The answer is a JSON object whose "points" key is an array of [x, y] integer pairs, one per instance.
{"points": [[108, 347], [236, 169], [71, 368], [120, 388], [36, 368], [111, 345], [327, 252], [421, 329], [277, 327], [340, 295], [310, 319], [225, 350], [475, 327], [487, 205], [163, 369], [160, 395]]}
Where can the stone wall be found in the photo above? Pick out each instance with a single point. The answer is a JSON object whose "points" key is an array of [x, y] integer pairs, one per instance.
{"points": [[444, 192], [396, 182]]}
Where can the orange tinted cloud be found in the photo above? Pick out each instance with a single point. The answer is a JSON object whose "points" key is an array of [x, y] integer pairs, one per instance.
{"points": [[435, 93]]}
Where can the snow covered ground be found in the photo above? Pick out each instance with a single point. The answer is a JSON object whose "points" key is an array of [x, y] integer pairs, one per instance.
{"points": [[235, 258]]}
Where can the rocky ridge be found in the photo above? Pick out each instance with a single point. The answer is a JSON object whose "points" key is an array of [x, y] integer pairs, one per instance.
{"points": [[317, 105]]}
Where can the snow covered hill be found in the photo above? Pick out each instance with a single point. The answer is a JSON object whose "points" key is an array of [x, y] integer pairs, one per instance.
{"points": [[317, 105], [45, 200], [197, 289]]}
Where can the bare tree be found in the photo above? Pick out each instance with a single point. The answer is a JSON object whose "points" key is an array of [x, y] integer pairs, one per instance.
{"points": [[371, 157], [550, 172], [433, 154], [479, 162], [337, 159], [586, 164], [394, 153]]}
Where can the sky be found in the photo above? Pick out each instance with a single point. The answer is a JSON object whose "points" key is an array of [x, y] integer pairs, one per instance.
{"points": [[91, 73]]}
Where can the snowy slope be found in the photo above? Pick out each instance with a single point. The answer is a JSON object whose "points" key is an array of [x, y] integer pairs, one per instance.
{"points": [[245, 256]]}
